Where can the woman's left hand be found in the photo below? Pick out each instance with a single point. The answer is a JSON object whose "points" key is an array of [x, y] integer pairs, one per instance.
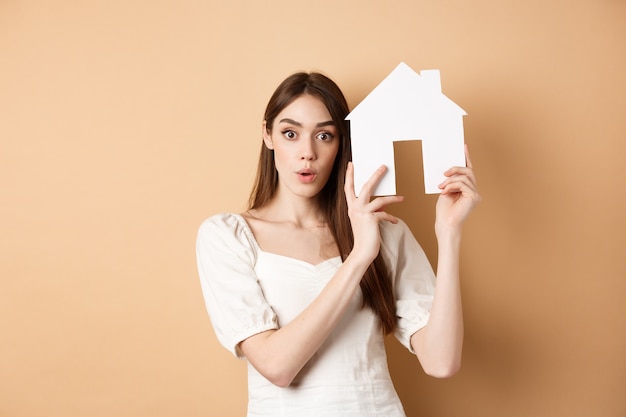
{"points": [[459, 195]]}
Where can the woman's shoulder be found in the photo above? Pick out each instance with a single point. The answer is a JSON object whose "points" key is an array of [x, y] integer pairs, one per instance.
{"points": [[222, 221], [225, 227]]}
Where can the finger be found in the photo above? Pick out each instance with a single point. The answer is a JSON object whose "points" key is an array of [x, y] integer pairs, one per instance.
{"points": [[461, 185], [463, 193], [379, 203], [349, 184], [457, 178], [459, 171], [373, 181], [458, 181], [455, 173]]}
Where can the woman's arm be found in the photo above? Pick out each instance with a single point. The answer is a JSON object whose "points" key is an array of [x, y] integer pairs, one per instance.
{"points": [[439, 344], [280, 354]]}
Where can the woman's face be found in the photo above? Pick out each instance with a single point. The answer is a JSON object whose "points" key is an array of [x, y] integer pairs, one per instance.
{"points": [[305, 141]]}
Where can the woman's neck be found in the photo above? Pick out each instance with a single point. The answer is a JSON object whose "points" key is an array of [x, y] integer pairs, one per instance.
{"points": [[302, 213]]}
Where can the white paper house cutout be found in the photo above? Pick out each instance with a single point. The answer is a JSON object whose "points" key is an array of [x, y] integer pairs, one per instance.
{"points": [[406, 106]]}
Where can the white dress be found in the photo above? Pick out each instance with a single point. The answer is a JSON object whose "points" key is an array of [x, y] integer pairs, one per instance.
{"points": [[248, 291]]}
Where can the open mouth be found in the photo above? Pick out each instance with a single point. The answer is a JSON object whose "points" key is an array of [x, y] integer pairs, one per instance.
{"points": [[306, 175]]}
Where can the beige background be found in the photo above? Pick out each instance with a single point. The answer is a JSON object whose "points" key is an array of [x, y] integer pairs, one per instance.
{"points": [[123, 124]]}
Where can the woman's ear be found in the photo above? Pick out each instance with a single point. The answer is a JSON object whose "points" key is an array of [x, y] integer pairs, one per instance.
{"points": [[267, 138]]}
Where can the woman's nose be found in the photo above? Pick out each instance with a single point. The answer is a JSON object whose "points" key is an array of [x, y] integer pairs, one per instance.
{"points": [[308, 149]]}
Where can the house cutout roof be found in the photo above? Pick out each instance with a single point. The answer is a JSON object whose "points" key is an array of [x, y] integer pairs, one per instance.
{"points": [[406, 106]]}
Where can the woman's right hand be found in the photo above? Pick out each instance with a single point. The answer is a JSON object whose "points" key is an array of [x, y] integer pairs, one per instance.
{"points": [[366, 213]]}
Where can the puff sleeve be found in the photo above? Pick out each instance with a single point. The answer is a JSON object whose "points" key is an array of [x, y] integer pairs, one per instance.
{"points": [[413, 279], [226, 255]]}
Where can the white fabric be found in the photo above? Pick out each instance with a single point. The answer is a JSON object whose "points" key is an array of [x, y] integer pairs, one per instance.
{"points": [[248, 291]]}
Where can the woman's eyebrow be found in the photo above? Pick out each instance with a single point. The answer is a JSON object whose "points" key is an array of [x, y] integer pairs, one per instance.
{"points": [[320, 124], [291, 122], [328, 123]]}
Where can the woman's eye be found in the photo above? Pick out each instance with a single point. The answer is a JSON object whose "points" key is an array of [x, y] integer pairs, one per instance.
{"points": [[289, 134], [324, 136]]}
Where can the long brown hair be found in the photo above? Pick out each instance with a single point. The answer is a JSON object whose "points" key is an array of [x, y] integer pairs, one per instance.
{"points": [[376, 284]]}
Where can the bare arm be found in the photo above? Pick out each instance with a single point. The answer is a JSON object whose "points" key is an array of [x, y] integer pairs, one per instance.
{"points": [[280, 354], [439, 345]]}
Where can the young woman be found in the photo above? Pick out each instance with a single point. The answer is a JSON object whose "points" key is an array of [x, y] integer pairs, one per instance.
{"points": [[305, 284]]}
